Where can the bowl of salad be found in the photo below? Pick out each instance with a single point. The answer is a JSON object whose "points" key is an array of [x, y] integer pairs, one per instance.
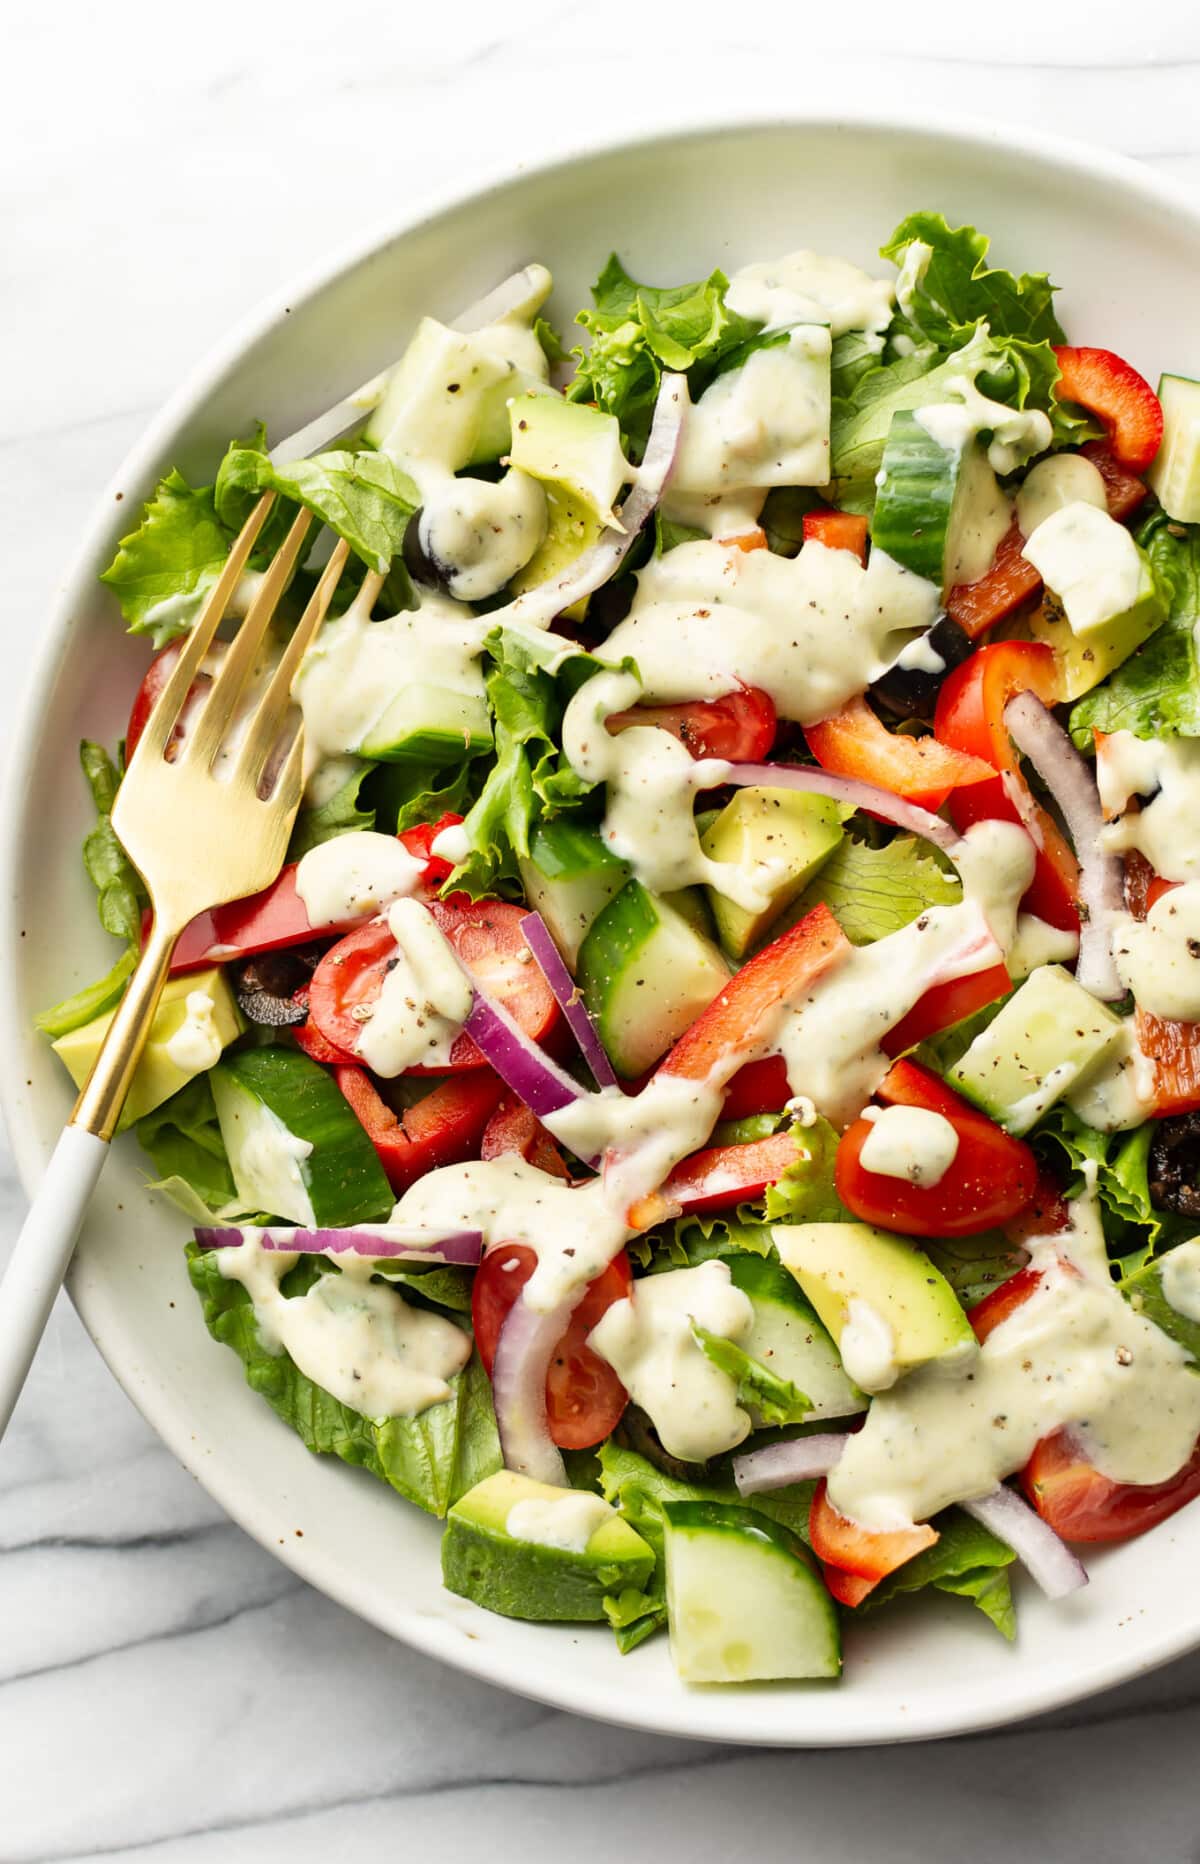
{"points": [[684, 1197]]}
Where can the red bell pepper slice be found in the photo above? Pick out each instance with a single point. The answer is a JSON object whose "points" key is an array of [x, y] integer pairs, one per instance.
{"points": [[1123, 490], [759, 1087], [740, 726], [856, 743], [970, 716], [444, 1128], [943, 1005], [837, 530], [848, 1548], [1173, 1047], [513, 1128], [718, 1178], [1109, 387]]}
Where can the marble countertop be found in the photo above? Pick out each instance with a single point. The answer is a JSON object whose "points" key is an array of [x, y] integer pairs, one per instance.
{"points": [[167, 1691]]}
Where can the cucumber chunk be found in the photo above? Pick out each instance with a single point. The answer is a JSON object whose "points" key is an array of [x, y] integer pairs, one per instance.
{"points": [[569, 878], [295, 1148], [646, 974], [430, 724], [1049, 1038], [939, 511], [1175, 474], [743, 1601], [790, 1341]]}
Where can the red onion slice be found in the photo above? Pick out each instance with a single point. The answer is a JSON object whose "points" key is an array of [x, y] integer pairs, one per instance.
{"points": [[1037, 734], [1047, 1559], [783, 1463], [537, 608], [552, 966], [841, 789], [524, 1347], [372, 1240], [533, 1077]]}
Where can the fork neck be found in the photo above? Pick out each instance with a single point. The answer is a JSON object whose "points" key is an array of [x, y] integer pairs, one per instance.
{"points": [[103, 1096]]}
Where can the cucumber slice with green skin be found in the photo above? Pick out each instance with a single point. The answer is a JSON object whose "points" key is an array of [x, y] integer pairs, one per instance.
{"points": [[646, 975], [1048, 1039], [1175, 474], [295, 1148], [430, 724], [938, 511], [569, 878], [790, 1341], [743, 1601]]}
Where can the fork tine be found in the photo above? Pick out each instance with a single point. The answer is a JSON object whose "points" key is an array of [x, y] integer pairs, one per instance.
{"points": [[273, 706], [167, 707], [227, 688]]}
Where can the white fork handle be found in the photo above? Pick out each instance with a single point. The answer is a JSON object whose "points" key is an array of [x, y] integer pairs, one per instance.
{"points": [[39, 1261]]}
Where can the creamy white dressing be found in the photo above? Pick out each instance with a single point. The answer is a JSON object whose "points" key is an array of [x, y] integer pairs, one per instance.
{"points": [[414, 664], [1074, 1354], [1165, 773], [354, 875], [1017, 433], [352, 1336], [566, 1521], [995, 862], [196, 1044], [1089, 561], [270, 1161], [483, 533], [1036, 943], [1158, 957], [1179, 1279], [323, 783], [452, 844], [1063, 479], [722, 515], [423, 1002], [812, 631], [765, 423], [868, 1347], [912, 1143], [812, 288], [982, 512], [1120, 1093], [648, 1340]]}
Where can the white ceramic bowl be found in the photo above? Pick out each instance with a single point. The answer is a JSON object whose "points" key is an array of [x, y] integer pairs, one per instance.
{"points": [[1125, 247]]}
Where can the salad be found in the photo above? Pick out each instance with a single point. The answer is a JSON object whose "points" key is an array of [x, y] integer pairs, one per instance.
{"points": [[711, 1107]]}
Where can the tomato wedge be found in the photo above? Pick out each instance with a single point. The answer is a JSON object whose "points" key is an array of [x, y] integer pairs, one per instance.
{"points": [[717, 1179], [486, 934], [837, 530], [277, 917], [736, 1019], [848, 1548], [740, 726], [1111, 388], [313, 1042], [986, 1315], [759, 1087], [943, 1005], [1124, 490], [584, 1396], [991, 1178], [1081, 1504], [157, 674], [442, 1129], [970, 717], [1173, 1047], [513, 1128], [856, 743]]}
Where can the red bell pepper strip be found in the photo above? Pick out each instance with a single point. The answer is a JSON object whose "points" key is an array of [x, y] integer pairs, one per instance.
{"points": [[856, 743], [837, 530], [1123, 490], [848, 1548], [1109, 387], [943, 1005], [718, 1178], [444, 1128], [970, 716], [513, 1128], [759, 1087], [1173, 1047]]}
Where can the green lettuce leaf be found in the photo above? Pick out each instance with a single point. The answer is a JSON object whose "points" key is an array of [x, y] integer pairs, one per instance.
{"points": [[430, 1460], [365, 497], [966, 1560], [1156, 692], [163, 570], [805, 1193], [340, 814], [1133, 1227], [183, 1140], [872, 892], [956, 288], [772, 1399], [92, 1001], [974, 1265]]}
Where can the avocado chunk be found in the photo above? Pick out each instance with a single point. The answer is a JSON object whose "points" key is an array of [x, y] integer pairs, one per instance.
{"points": [[571, 446], [743, 1600], [1106, 597], [1050, 1038], [1083, 660], [453, 389], [528, 1550], [569, 877], [883, 1301], [781, 838], [789, 1340], [646, 974], [159, 1073], [1167, 1292], [571, 528]]}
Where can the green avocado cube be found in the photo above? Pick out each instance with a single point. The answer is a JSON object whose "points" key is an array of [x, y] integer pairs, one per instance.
{"points": [[528, 1550]]}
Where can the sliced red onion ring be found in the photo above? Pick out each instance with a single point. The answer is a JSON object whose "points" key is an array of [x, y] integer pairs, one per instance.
{"points": [[524, 1347], [537, 608], [1070, 781], [1047, 1559], [783, 1463], [378, 1241], [550, 962], [533, 1077], [842, 789]]}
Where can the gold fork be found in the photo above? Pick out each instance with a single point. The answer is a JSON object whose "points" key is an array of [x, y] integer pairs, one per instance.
{"points": [[198, 837]]}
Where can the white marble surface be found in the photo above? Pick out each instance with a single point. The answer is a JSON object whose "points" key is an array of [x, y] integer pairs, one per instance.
{"points": [[166, 1690]]}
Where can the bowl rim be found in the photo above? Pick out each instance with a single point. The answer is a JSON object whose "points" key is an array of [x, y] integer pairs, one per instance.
{"points": [[880, 1723]]}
